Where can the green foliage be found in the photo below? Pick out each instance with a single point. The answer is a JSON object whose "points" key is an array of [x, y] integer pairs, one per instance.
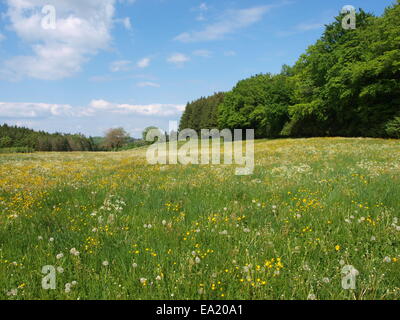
{"points": [[202, 113], [346, 84], [23, 139], [260, 102], [393, 128]]}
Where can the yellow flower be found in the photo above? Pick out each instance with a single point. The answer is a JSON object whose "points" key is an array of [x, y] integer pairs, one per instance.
{"points": [[337, 248]]}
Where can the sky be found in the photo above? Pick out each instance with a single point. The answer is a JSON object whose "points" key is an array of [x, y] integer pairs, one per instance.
{"points": [[89, 65]]}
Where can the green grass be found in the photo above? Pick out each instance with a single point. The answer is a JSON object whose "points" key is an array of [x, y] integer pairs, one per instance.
{"points": [[312, 204]]}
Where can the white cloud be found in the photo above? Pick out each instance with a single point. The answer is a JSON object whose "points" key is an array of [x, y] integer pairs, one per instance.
{"points": [[82, 30], [120, 65], [2, 37], [143, 63], [148, 84], [33, 110], [202, 53], [126, 22], [178, 59], [230, 22], [98, 108], [161, 110]]}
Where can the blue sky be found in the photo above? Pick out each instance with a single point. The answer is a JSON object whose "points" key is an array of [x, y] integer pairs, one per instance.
{"points": [[135, 63]]}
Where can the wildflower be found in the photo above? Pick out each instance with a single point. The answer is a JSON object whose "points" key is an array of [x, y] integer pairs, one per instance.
{"points": [[164, 222], [12, 292], [158, 278], [143, 281], [311, 296], [225, 232], [60, 269], [337, 247], [373, 238], [342, 262], [134, 265], [247, 230], [94, 230], [326, 280], [40, 238], [59, 256], [51, 239], [387, 260], [74, 283], [105, 263], [197, 260], [74, 252]]}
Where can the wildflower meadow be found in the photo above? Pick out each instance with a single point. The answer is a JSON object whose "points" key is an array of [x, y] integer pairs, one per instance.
{"points": [[111, 226]]}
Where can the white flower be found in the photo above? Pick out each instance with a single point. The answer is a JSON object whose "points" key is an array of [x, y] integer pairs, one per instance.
{"points": [[67, 290], [194, 253], [60, 269], [306, 267], [59, 256], [40, 238], [197, 260], [158, 278], [387, 259], [225, 232], [67, 286], [51, 239], [134, 265], [397, 228], [74, 283], [274, 207], [12, 292], [74, 252], [143, 280], [94, 230], [164, 222], [342, 262], [105, 263], [247, 230], [373, 238], [326, 280], [311, 296]]}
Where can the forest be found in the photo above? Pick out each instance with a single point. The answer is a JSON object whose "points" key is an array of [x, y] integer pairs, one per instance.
{"points": [[346, 84]]}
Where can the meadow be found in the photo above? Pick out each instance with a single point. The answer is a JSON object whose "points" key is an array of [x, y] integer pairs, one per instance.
{"points": [[115, 227]]}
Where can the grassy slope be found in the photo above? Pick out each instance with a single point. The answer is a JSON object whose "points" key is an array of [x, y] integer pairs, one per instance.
{"points": [[282, 233]]}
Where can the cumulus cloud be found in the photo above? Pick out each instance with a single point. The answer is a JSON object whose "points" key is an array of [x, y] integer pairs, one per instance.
{"points": [[230, 22], [33, 110], [125, 109], [82, 29], [143, 63], [179, 59], [98, 108]]}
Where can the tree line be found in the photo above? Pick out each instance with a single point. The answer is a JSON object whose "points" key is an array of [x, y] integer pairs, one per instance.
{"points": [[24, 139], [345, 84]]}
